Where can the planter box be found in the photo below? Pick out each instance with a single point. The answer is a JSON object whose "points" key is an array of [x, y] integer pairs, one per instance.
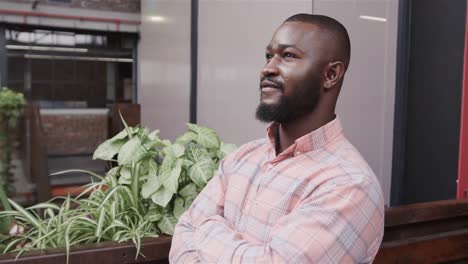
{"points": [[418, 233], [155, 250]]}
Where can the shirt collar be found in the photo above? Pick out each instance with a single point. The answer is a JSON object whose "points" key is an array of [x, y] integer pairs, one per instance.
{"points": [[309, 142]]}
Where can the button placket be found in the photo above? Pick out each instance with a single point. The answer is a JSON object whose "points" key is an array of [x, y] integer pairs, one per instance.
{"points": [[263, 175], [252, 194]]}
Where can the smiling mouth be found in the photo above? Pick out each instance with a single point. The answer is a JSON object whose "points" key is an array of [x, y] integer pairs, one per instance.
{"points": [[268, 89], [270, 94], [270, 85]]}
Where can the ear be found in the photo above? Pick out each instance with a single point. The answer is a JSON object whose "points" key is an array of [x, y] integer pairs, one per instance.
{"points": [[334, 72]]}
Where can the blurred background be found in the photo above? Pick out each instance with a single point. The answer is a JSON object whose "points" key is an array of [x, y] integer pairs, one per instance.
{"points": [[165, 63]]}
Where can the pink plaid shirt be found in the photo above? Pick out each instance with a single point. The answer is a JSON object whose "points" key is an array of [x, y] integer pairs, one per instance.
{"points": [[316, 202]]}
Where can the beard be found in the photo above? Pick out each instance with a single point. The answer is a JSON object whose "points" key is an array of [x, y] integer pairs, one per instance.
{"points": [[302, 101]]}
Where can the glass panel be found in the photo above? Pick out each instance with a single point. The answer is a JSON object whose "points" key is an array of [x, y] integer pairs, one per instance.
{"points": [[68, 92], [97, 95], [16, 68], [58, 78], [41, 70], [64, 70], [42, 91], [85, 70]]}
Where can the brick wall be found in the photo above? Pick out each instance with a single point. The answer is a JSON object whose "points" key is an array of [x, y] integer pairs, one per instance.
{"points": [[130, 6], [73, 134]]}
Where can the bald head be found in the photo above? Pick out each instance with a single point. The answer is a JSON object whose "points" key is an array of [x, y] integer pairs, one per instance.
{"points": [[333, 30]]}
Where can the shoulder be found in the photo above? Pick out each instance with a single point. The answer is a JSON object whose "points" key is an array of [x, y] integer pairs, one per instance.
{"points": [[248, 149], [344, 166]]}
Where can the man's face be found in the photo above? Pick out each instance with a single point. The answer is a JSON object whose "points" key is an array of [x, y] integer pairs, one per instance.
{"points": [[290, 84]]}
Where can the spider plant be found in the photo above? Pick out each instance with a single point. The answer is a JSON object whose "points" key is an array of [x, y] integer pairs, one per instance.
{"points": [[154, 182]]}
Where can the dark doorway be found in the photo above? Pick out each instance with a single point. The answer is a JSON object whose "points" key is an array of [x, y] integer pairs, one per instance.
{"points": [[427, 114]]}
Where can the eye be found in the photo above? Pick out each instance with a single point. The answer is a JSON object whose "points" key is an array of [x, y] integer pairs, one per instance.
{"points": [[289, 55], [268, 56]]}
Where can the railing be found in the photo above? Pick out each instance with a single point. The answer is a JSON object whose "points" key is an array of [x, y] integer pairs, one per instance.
{"points": [[434, 232]]}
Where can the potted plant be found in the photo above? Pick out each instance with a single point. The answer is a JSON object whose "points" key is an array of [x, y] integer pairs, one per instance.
{"points": [[11, 106], [154, 182]]}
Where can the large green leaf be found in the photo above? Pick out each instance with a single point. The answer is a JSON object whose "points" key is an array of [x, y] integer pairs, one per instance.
{"points": [[121, 135], [186, 138], [108, 149], [226, 149], [150, 186], [132, 151], [175, 150], [190, 190], [154, 135], [162, 196], [153, 215], [152, 167], [114, 171], [205, 136], [178, 207], [197, 153], [166, 166], [202, 171], [167, 224], [171, 180], [188, 202], [125, 176], [186, 163]]}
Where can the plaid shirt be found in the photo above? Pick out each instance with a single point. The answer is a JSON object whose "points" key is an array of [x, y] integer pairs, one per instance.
{"points": [[316, 202]]}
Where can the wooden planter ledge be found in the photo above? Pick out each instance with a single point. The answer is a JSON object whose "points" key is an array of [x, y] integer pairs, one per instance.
{"points": [[435, 232]]}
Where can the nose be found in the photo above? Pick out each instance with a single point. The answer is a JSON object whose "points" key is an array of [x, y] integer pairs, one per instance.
{"points": [[271, 68]]}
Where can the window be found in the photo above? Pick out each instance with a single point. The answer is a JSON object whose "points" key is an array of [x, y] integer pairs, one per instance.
{"points": [[62, 69]]}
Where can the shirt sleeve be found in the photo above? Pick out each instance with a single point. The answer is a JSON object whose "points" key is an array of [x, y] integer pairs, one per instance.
{"points": [[338, 223], [209, 203]]}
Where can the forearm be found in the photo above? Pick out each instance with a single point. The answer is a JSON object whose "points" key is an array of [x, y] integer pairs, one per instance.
{"points": [[182, 247], [208, 203], [330, 227], [216, 241]]}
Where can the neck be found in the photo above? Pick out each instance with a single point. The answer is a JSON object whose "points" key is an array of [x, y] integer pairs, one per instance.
{"points": [[289, 132]]}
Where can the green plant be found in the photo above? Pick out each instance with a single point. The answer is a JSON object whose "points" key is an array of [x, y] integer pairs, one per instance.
{"points": [[11, 106], [154, 182]]}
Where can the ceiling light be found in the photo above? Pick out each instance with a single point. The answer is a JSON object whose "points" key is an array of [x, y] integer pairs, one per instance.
{"points": [[157, 18], [373, 18]]}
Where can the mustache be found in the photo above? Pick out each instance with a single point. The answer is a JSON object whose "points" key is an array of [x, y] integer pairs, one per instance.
{"points": [[270, 82]]}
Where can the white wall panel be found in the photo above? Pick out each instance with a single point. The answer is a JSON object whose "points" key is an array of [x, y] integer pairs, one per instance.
{"points": [[366, 103], [164, 65], [232, 38]]}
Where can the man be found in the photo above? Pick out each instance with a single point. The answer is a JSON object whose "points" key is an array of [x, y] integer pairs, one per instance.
{"points": [[304, 194]]}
